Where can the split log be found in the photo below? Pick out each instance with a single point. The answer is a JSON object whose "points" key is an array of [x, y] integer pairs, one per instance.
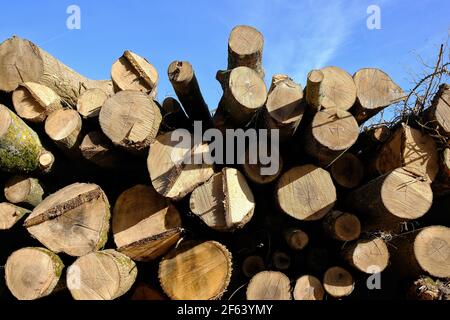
{"points": [[330, 134], [269, 285], [90, 102], [20, 147], [173, 114], [101, 275], [24, 190], [375, 91], [98, 149], [391, 199], [145, 225], [347, 171], [296, 239], [169, 171], [225, 202], [196, 271], [64, 128], [253, 265], [312, 90], [338, 282], [131, 119], [411, 149], [306, 192], [74, 220], [145, 292], [438, 113], [183, 79], [424, 251], [34, 102], [244, 93], [284, 109], [33, 273], [335, 89], [245, 47], [23, 61], [133, 72], [308, 288], [369, 256], [441, 185], [10, 215], [342, 226]]}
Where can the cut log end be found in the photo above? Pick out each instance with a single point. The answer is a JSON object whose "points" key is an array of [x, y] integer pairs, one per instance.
{"points": [[86, 226], [245, 47], [180, 72], [196, 271], [10, 215], [312, 90], [337, 86], [348, 171], [132, 72], [34, 102], [368, 256], [21, 189], [46, 160], [342, 226], [64, 127], [140, 118], [32, 273], [269, 285], [145, 225], [296, 239], [308, 288], [90, 102], [432, 250], [252, 265], [338, 282], [102, 275], [306, 192]]}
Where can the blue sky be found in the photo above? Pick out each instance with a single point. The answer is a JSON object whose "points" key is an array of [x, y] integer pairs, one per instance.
{"points": [[299, 35]]}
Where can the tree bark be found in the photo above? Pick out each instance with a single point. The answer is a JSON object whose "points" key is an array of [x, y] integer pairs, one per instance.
{"points": [[173, 115], [23, 61], [441, 185], [74, 220], [183, 79], [20, 147]]}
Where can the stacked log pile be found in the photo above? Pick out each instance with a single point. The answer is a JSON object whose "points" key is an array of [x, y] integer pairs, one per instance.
{"points": [[99, 203]]}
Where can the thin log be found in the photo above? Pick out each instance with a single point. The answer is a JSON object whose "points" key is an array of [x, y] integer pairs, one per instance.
{"points": [[369, 255], [338, 282], [24, 190], [296, 238], [342, 226], [90, 102], [64, 128], [269, 285], [10, 214], [308, 287], [348, 171]]}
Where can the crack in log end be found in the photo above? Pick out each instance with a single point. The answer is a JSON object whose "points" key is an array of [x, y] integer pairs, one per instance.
{"points": [[64, 207]]}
